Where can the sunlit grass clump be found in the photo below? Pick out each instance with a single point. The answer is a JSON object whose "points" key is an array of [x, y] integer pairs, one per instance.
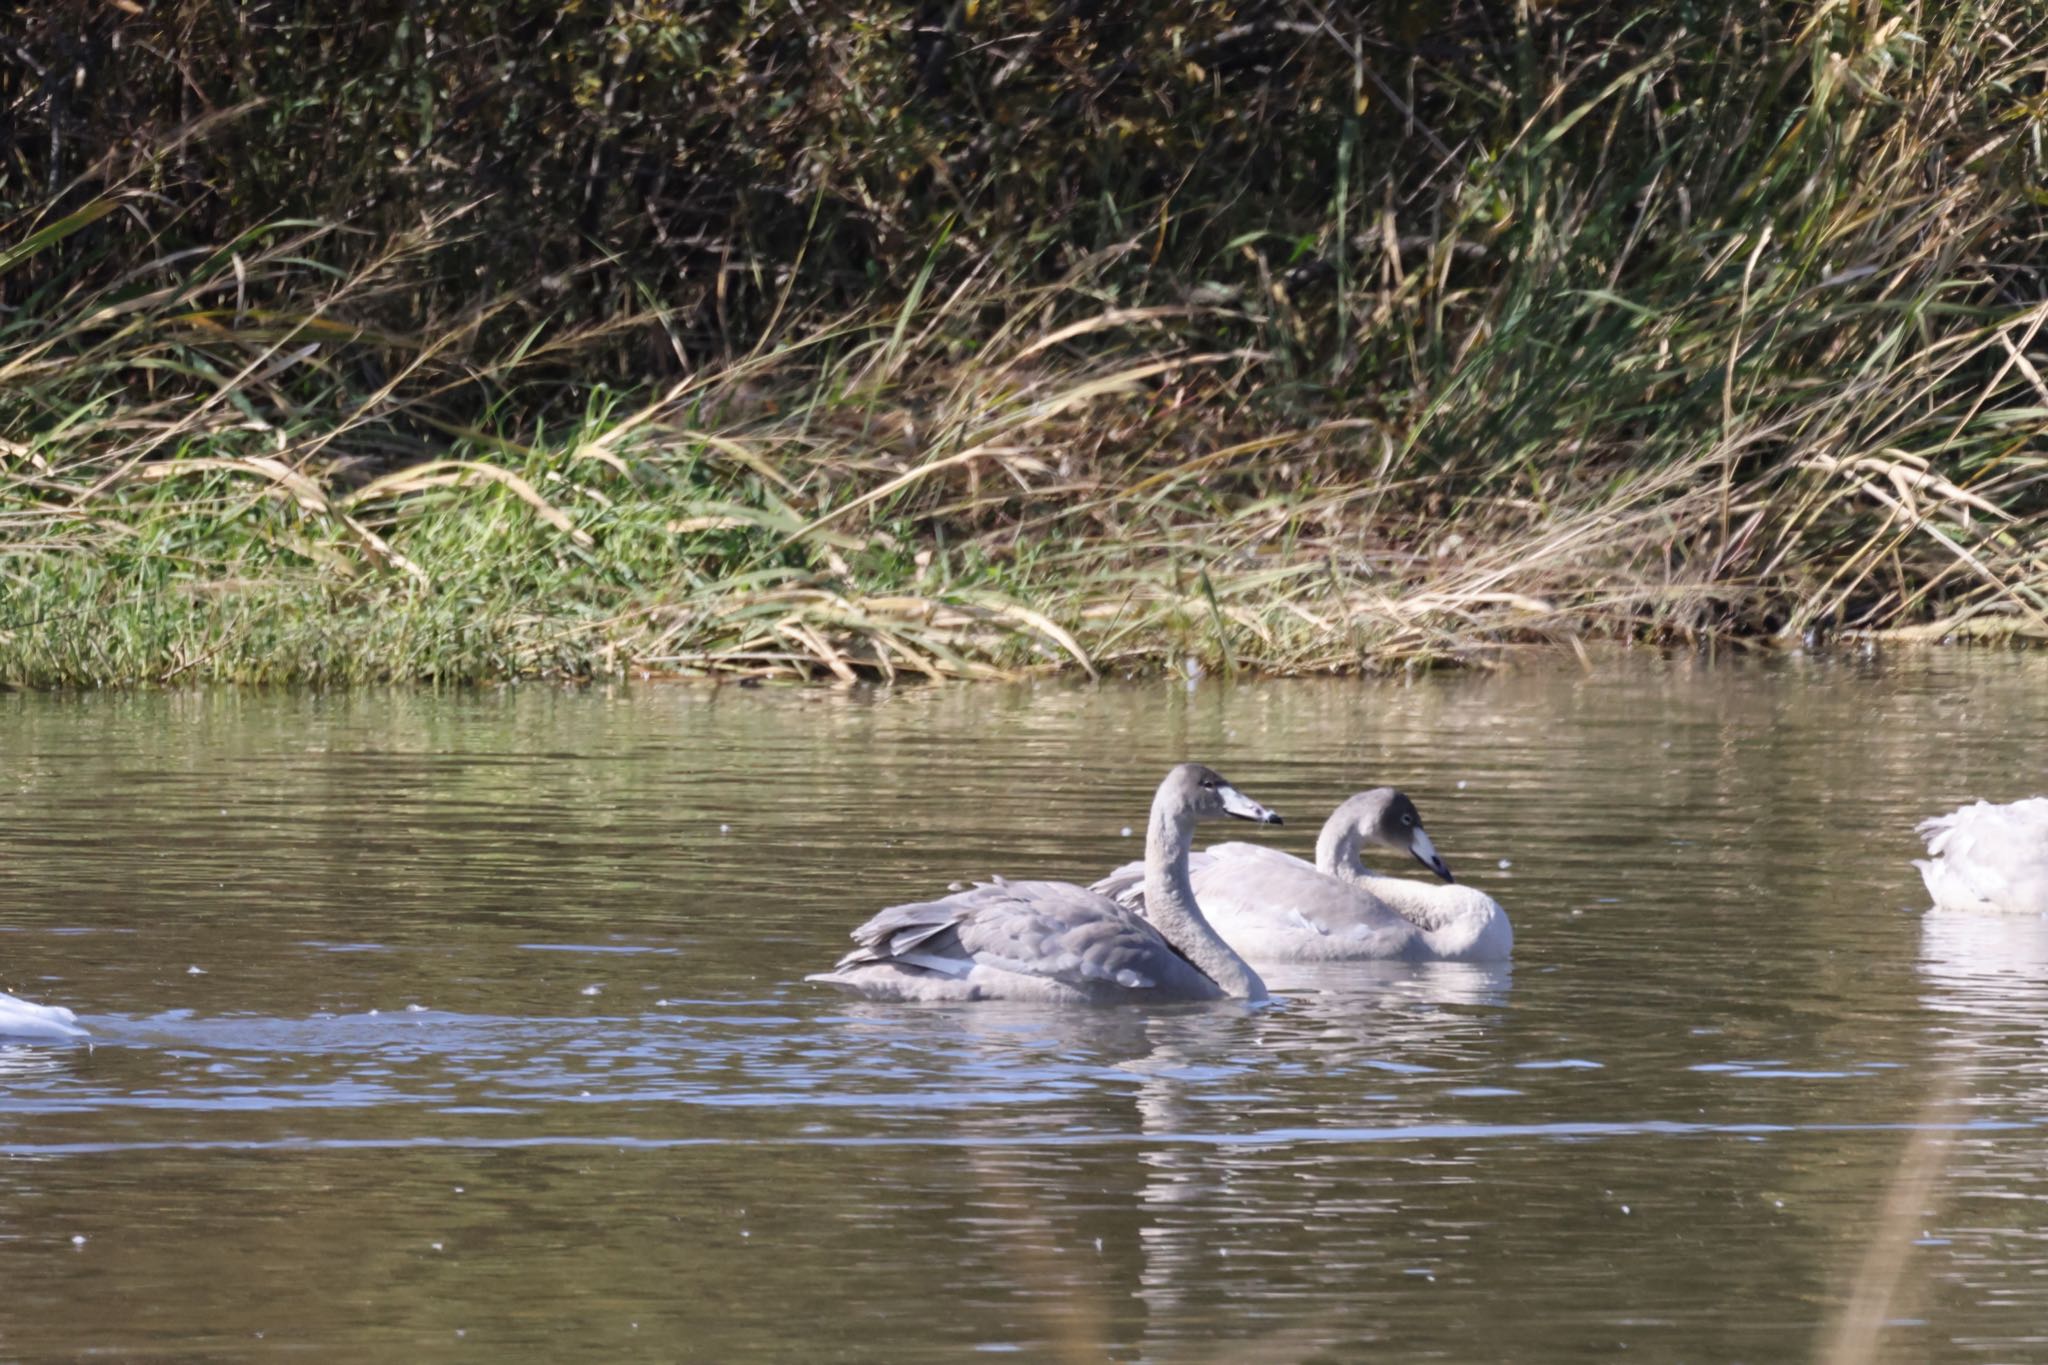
{"points": [[1675, 342]]}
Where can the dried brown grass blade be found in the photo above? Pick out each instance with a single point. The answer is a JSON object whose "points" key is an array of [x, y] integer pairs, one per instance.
{"points": [[456, 473]]}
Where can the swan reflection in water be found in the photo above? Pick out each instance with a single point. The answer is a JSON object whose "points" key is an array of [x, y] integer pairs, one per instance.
{"points": [[1985, 980], [1987, 974], [1132, 1152]]}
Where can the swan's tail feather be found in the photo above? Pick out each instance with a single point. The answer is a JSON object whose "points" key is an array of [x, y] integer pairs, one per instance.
{"points": [[24, 1019]]}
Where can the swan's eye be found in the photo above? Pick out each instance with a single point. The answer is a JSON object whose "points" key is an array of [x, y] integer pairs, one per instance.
{"points": [[1209, 784], [1408, 820]]}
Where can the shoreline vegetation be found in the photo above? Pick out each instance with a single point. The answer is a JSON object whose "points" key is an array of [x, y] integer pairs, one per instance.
{"points": [[961, 341]]}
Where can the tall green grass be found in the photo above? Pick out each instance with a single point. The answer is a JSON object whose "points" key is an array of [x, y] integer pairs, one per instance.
{"points": [[1689, 336]]}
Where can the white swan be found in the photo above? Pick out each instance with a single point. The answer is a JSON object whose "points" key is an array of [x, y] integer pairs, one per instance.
{"points": [[23, 1019], [1987, 857], [1274, 907], [1054, 941]]}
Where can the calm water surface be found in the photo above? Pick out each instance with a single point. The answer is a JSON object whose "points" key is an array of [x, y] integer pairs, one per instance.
{"points": [[472, 1027]]}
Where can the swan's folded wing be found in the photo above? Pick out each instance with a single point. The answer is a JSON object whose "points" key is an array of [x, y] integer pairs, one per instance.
{"points": [[1259, 903], [1256, 855], [1126, 885], [1054, 930], [1989, 856], [25, 1019]]}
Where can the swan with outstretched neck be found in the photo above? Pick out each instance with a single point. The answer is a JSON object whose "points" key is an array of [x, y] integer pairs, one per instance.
{"points": [[1273, 907], [1061, 943]]}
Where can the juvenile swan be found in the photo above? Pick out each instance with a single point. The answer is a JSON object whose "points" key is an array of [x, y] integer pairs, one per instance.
{"points": [[21, 1019], [1988, 857], [1274, 907], [1054, 941]]}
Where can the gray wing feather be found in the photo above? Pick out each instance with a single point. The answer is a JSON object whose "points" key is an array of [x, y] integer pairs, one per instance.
{"points": [[1126, 885], [1256, 853], [1289, 891], [1054, 930], [1269, 903]]}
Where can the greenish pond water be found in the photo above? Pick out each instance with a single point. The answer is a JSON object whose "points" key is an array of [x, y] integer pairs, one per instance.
{"points": [[472, 1027]]}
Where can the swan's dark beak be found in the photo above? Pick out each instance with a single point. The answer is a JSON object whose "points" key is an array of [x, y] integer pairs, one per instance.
{"points": [[1425, 853], [1243, 807]]}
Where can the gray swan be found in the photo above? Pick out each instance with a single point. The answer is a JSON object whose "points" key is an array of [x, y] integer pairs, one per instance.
{"points": [[1057, 942], [1987, 857], [1273, 907]]}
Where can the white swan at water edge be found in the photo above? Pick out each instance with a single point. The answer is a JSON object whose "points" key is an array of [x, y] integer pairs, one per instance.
{"points": [[1987, 857], [23, 1019], [1061, 943], [1274, 907]]}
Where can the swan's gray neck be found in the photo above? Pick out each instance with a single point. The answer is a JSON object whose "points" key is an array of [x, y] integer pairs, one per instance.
{"points": [[1340, 853], [1339, 848], [1170, 902]]}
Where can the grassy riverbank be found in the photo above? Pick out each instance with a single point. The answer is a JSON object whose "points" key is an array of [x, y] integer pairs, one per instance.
{"points": [[1678, 334]]}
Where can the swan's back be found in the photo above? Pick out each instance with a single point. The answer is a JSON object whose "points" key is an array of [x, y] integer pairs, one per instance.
{"points": [[1031, 940], [1988, 857], [1126, 885], [24, 1019], [1274, 907]]}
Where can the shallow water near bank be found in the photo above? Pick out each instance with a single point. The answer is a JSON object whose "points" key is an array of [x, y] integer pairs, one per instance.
{"points": [[472, 1025]]}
